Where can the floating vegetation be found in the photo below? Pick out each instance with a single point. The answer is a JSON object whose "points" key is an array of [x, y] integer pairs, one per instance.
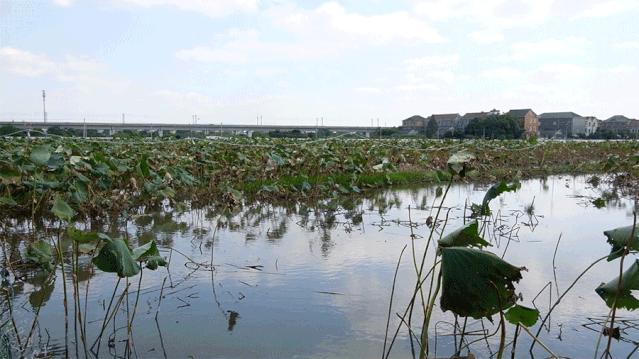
{"points": [[103, 178], [72, 203]]}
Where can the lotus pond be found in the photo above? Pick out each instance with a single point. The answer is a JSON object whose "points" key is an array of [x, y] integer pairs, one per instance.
{"points": [[134, 248], [315, 279], [101, 179]]}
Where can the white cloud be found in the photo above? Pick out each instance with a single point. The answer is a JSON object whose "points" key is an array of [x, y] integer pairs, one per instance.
{"points": [[623, 70], [64, 3], [554, 47], [369, 90], [435, 60], [29, 64], [627, 45], [486, 37], [558, 72], [327, 31], [431, 74], [210, 8], [609, 8], [490, 15], [248, 46], [502, 73], [332, 21], [84, 74], [25, 63], [417, 87], [383, 28]]}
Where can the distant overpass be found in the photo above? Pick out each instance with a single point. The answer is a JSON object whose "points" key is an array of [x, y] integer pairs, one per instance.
{"points": [[207, 129]]}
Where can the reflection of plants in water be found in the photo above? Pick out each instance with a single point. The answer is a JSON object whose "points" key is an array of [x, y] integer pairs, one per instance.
{"points": [[617, 293], [232, 318], [473, 282], [74, 252]]}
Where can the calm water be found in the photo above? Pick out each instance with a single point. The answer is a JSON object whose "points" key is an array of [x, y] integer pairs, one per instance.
{"points": [[308, 283]]}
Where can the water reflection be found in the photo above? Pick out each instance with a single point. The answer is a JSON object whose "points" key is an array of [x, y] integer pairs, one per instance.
{"points": [[312, 280]]}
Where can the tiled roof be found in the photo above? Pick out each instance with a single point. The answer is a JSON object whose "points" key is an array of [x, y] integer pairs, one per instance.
{"points": [[558, 115], [474, 115], [519, 112], [619, 118], [445, 116]]}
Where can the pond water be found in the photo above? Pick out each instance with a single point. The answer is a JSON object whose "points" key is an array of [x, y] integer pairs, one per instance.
{"points": [[305, 282]]}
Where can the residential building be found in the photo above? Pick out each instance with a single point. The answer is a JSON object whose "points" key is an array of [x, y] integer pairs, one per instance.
{"points": [[592, 124], [633, 128], [617, 124], [446, 123], [414, 123], [470, 116], [463, 121], [561, 124], [528, 120]]}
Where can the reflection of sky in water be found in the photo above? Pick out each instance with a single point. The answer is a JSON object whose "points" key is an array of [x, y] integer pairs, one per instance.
{"points": [[323, 293]]}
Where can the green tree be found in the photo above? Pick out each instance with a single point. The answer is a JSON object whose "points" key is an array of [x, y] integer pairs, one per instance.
{"points": [[8, 129], [431, 128], [497, 126]]}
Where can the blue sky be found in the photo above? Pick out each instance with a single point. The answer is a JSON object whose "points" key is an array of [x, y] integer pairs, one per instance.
{"points": [[294, 61]]}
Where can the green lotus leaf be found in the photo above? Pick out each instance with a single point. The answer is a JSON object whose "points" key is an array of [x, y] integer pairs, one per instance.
{"points": [[40, 155], [476, 283], [618, 238], [618, 292], [459, 161], [41, 254], [518, 314], [62, 210], [8, 201], [115, 257], [150, 254], [81, 236], [465, 236], [495, 191]]}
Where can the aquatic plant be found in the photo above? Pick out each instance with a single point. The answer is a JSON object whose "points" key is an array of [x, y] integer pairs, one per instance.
{"points": [[100, 178]]}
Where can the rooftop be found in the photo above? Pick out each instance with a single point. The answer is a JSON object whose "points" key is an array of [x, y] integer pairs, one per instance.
{"points": [[520, 112], [619, 118], [474, 115], [445, 116], [558, 115]]}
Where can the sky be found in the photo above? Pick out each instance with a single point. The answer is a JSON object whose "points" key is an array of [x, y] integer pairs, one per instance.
{"points": [[349, 62]]}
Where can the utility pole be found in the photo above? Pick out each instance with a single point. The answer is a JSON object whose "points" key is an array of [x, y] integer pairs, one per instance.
{"points": [[84, 129], [380, 129], [44, 106], [193, 123], [123, 118]]}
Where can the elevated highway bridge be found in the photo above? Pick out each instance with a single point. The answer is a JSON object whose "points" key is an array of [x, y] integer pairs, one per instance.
{"points": [[206, 129]]}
